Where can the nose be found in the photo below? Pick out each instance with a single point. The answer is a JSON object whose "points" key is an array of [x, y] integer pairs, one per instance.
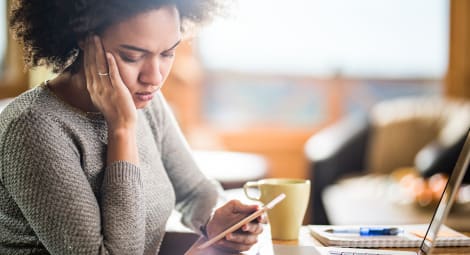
{"points": [[151, 73]]}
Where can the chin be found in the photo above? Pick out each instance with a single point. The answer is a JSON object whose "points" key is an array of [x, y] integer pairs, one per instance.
{"points": [[141, 105]]}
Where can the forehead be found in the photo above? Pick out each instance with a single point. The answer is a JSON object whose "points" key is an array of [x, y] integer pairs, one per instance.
{"points": [[154, 29]]}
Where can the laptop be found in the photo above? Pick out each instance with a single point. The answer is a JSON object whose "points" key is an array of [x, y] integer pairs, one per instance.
{"points": [[427, 243]]}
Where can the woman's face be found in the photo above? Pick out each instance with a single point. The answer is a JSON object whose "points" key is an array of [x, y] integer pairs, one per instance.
{"points": [[144, 49]]}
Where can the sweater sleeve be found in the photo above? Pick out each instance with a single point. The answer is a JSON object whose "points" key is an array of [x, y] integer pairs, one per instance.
{"points": [[42, 172], [196, 195]]}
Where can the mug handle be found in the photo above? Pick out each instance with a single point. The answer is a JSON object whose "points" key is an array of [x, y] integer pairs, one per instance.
{"points": [[250, 185]]}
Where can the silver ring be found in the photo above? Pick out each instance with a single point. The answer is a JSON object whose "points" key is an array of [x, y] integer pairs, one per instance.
{"points": [[103, 74]]}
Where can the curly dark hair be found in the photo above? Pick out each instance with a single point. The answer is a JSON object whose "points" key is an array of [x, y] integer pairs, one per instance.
{"points": [[50, 30]]}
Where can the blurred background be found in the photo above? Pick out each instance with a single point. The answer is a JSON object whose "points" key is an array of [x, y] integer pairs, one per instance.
{"points": [[283, 89]]}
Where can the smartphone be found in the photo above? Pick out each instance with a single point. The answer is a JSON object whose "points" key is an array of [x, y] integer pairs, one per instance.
{"points": [[243, 221]]}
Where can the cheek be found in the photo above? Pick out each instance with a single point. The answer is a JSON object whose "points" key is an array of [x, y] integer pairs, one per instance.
{"points": [[166, 68], [128, 74]]}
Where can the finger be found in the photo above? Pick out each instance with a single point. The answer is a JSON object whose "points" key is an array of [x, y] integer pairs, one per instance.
{"points": [[100, 58], [239, 207], [262, 219], [242, 238], [114, 75], [253, 228], [88, 63]]}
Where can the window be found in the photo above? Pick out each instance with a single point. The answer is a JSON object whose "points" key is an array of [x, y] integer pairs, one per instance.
{"points": [[281, 62], [359, 38], [265, 101]]}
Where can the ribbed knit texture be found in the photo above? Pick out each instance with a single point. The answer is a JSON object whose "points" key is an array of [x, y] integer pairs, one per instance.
{"points": [[58, 196]]}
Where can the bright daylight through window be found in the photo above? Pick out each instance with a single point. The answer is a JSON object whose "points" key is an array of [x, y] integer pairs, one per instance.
{"points": [[359, 38]]}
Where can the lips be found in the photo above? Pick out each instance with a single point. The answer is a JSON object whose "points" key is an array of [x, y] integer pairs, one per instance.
{"points": [[145, 96]]}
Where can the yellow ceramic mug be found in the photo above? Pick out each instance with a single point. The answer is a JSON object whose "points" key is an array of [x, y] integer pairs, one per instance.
{"points": [[285, 218]]}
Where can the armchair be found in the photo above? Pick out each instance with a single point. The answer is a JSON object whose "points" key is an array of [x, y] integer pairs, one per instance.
{"points": [[424, 133]]}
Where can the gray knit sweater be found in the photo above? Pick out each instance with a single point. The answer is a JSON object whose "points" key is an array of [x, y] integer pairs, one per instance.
{"points": [[58, 196]]}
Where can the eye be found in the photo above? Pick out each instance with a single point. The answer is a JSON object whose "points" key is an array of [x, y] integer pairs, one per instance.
{"points": [[168, 54], [129, 58]]}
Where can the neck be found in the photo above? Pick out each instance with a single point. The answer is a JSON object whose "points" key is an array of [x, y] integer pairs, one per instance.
{"points": [[72, 89]]}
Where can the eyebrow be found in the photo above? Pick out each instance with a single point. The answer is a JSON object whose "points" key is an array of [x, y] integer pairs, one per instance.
{"points": [[134, 48]]}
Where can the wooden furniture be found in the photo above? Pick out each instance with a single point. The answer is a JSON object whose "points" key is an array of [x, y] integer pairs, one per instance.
{"points": [[305, 239], [458, 78]]}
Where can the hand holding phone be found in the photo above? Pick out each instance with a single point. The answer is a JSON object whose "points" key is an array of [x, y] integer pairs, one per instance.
{"points": [[243, 221]]}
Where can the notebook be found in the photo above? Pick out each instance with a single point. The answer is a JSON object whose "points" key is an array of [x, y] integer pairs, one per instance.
{"points": [[409, 236], [427, 242]]}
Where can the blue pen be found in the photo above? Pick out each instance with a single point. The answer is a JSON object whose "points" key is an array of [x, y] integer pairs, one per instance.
{"points": [[368, 231]]}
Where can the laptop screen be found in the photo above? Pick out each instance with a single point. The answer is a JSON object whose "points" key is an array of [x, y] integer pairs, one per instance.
{"points": [[447, 197]]}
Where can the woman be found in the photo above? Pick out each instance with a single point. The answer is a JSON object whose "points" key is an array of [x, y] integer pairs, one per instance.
{"points": [[92, 162]]}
